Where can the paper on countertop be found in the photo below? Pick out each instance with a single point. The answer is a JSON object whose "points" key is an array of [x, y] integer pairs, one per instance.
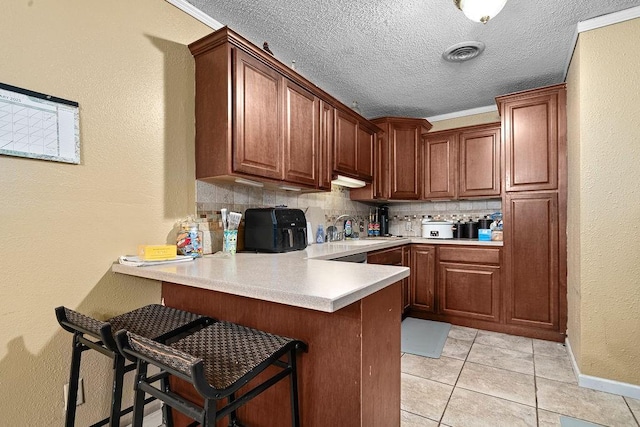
{"points": [[135, 261]]}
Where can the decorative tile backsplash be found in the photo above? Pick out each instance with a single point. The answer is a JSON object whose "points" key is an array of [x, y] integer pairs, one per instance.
{"points": [[210, 198]]}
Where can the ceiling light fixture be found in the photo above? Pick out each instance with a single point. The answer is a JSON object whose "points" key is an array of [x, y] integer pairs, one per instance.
{"points": [[480, 10], [345, 181]]}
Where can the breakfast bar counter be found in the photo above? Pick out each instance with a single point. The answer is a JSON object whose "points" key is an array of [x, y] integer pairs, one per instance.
{"points": [[349, 314]]}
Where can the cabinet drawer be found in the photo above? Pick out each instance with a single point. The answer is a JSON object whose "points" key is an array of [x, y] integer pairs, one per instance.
{"points": [[386, 257], [470, 255]]}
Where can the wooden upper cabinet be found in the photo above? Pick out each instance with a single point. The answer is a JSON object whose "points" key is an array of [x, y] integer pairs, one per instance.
{"points": [[533, 129], [301, 135], [366, 142], [397, 173], [439, 166], [353, 146], [405, 163], [258, 120], [346, 142], [325, 158], [479, 161], [381, 185]]}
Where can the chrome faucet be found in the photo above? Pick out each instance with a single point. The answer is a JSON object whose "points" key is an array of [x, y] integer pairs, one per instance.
{"points": [[340, 235]]}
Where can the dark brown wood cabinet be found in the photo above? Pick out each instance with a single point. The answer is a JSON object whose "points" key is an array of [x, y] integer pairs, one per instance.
{"points": [[423, 278], [366, 142], [301, 135], [258, 124], [345, 156], [406, 283], [533, 125], [479, 161], [401, 164], [462, 163], [325, 158], [535, 211], [469, 283], [353, 145], [259, 119], [440, 163], [393, 256], [531, 260]]}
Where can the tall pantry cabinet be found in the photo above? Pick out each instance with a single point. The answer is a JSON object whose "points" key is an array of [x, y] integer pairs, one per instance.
{"points": [[535, 206]]}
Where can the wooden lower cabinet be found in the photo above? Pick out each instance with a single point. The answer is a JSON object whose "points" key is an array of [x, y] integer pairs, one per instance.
{"points": [[394, 256], [532, 294], [406, 283], [423, 282], [469, 282], [469, 290]]}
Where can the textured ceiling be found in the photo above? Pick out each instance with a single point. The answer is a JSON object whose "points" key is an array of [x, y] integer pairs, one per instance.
{"points": [[386, 54]]}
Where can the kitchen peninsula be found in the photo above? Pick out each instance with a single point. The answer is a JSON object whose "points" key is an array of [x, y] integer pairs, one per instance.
{"points": [[348, 313]]}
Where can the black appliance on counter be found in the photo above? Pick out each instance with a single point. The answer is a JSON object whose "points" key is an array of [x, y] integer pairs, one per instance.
{"points": [[383, 212], [274, 230]]}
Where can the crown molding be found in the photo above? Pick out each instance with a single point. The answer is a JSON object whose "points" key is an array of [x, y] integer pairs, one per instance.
{"points": [[599, 22], [463, 113], [190, 9]]}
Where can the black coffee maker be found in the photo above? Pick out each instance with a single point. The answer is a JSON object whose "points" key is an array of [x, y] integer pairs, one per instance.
{"points": [[383, 212]]}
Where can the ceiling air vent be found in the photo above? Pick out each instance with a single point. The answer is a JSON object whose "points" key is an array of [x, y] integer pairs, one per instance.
{"points": [[464, 51]]}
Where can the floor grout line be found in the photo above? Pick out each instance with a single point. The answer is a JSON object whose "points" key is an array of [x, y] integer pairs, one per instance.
{"points": [[464, 362]]}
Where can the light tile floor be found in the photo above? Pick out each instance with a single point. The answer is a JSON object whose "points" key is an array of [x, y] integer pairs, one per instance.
{"points": [[491, 379]]}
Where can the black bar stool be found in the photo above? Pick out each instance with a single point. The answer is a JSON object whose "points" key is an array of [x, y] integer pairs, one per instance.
{"points": [[217, 360], [155, 322]]}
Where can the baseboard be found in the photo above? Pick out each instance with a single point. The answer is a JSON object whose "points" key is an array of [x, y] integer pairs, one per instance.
{"points": [[602, 384]]}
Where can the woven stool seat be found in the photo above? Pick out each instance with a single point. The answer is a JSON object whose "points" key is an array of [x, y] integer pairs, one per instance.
{"points": [[218, 360], [152, 321], [155, 322]]}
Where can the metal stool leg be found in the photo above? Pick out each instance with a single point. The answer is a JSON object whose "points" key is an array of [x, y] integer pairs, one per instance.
{"points": [[210, 414], [74, 376], [116, 395], [293, 375], [138, 404], [167, 413]]}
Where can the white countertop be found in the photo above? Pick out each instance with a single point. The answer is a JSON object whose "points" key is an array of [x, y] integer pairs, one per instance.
{"points": [[305, 278]]}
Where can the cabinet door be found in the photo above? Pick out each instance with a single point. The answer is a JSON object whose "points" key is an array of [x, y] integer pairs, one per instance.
{"points": [[325, 165], [423, 262], [381, 171], [439, 170], [469, 290], [404, 143], [300, 135], [364, 152], [406, 283], [345, 148], [531, 259], [257, 142], [479, 162], [531, 132]]}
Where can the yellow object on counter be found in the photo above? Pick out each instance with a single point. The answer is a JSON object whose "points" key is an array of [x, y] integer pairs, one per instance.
{"points": [[157, 252]]}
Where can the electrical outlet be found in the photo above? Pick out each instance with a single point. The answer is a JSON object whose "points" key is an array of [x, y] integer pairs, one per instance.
{"points": [[79, 397]]}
